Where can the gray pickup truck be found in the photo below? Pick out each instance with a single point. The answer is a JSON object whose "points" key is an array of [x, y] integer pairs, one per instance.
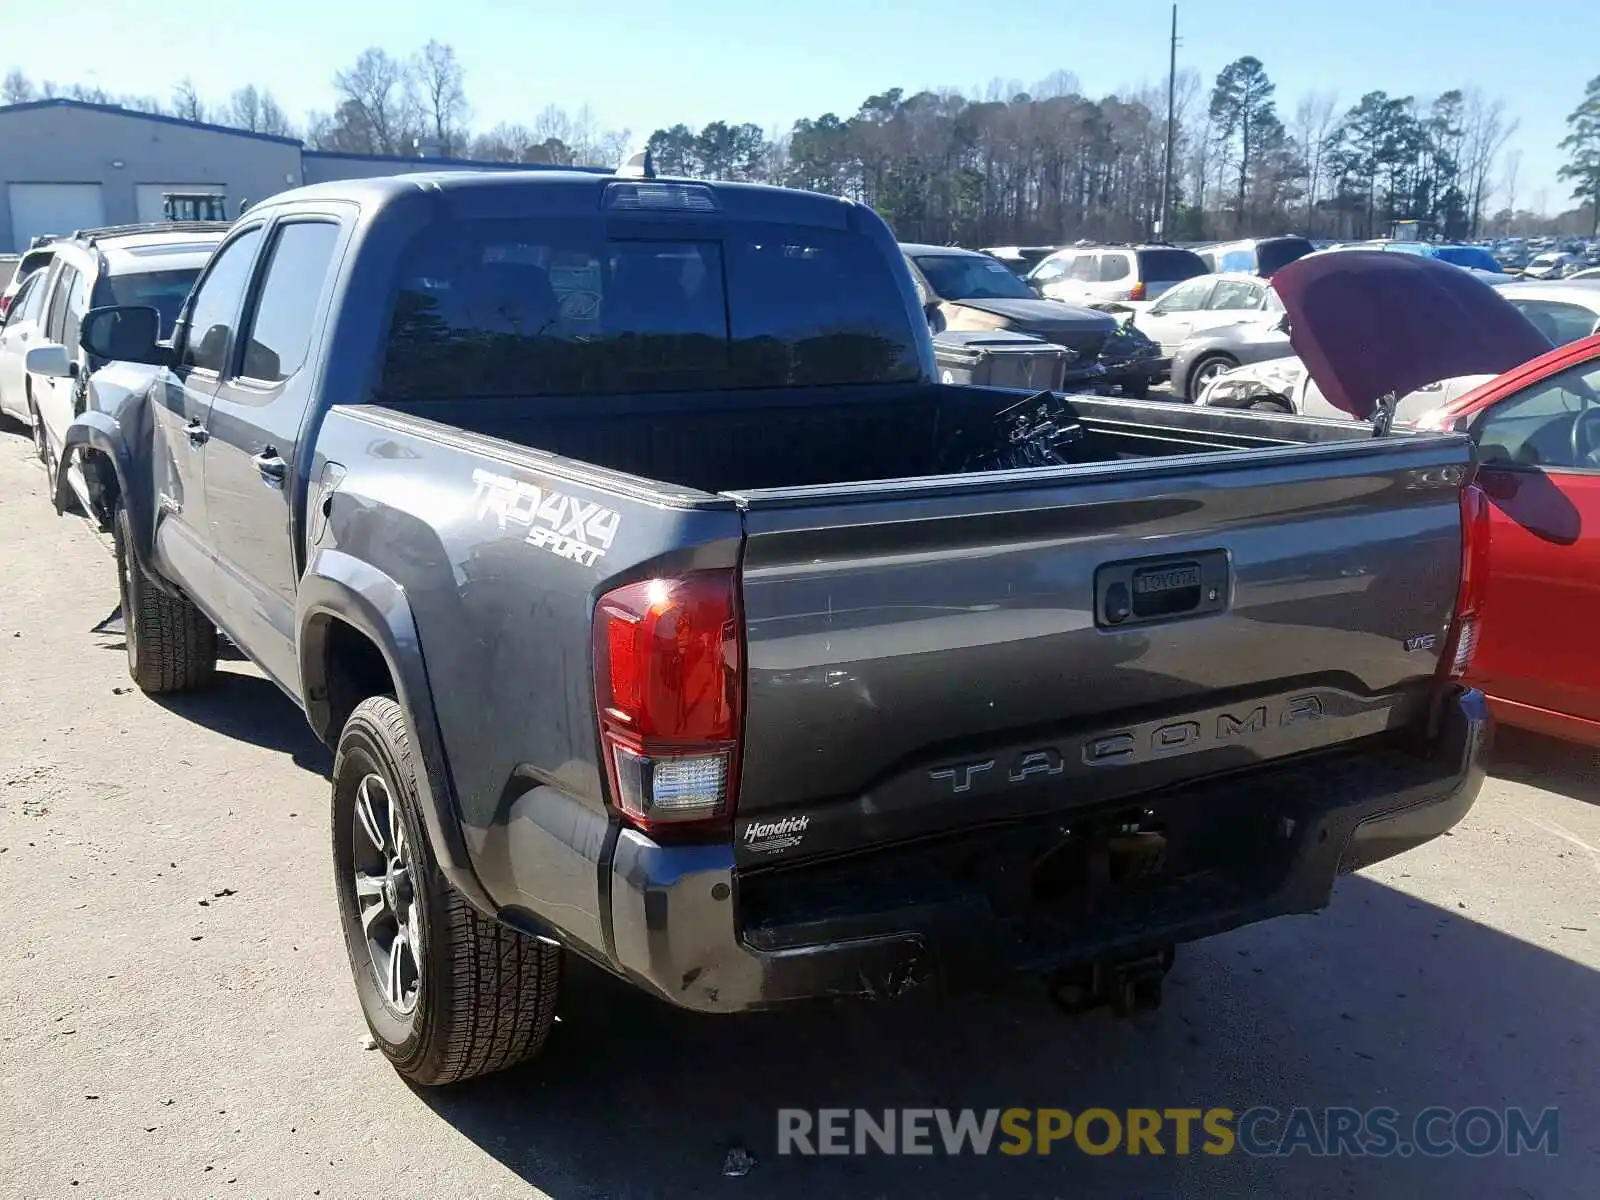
{"points": [[662, 609]]}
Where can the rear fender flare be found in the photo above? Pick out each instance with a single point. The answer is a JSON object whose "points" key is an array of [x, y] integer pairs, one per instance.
{"points": [[337, 586]]}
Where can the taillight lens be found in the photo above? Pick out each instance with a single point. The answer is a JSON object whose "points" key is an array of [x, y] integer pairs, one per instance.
{"points": [[1466, 627], [5, 305], [668, 691], [1137, 293]]}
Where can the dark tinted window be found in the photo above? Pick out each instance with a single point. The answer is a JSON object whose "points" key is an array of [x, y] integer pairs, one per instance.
{"points": [[72, 315], [1277, 253], [1114, 267], [216, 304], [552, 307], [164, 291], [60, 283], [280, 330], [1169, 266], [969, 277]]}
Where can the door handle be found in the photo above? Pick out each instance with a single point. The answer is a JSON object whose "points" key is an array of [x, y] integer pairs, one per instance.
{"points": [[272, 467], [197, 433]]}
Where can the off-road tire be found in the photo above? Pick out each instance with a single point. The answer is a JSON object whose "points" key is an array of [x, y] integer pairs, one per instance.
{"points": [[486, 997], [172, 647]]}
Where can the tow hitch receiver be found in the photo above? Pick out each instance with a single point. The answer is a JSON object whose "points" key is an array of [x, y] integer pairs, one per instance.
{"points": [[1128, 986]]}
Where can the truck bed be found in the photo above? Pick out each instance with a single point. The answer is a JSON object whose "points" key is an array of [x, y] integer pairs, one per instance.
{"points": [[743, 441]]}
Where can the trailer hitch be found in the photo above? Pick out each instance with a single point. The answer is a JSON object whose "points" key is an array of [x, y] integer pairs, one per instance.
{"points": [[1127, 986]]}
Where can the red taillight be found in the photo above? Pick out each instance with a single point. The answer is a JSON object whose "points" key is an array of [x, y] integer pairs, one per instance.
{"points": [[667, 688], [1466, 627], [5, 305], [1137, 293]]}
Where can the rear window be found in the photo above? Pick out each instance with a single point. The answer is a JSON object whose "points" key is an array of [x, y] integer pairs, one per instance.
{"points": [[1169, 266], [1279, 253], [553, 307], [164, 291]]}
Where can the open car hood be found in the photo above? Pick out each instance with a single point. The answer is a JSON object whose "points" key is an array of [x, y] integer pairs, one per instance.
{"points": [[1366, 323]]}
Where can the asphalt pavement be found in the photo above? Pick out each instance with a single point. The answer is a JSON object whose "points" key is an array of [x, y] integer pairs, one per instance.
{"points": [[177, 1019]]}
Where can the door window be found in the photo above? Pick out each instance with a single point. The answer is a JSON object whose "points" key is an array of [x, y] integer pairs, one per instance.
{"points": [[280, 329], [1235, 294], [63, 280], [1085, 267], [1050, 270], [1185, 297], [1561, 323], [72, 315], [1536, 427], [1114, 267], [21, 302], [215, 305]]}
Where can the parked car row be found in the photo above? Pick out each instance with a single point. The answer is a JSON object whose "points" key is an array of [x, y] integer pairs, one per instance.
{"points": [[44, 373]]}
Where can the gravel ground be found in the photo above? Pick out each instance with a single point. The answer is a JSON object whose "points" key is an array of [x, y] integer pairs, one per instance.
{"points": [[176, 1018]]}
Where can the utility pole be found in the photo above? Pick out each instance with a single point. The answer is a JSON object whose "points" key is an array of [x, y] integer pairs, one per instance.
{"points": [[1163, 222]]}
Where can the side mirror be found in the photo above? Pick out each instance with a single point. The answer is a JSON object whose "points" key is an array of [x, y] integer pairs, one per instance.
{"points": [[935, 315], [1281, 325], [124, 333], [51, 359]]}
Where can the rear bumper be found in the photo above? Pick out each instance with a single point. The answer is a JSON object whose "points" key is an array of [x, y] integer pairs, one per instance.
{"points": [[688, 927]]}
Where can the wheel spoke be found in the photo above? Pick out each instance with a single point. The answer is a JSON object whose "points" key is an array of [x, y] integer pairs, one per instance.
{"points": [[370, 823], [396, 979], [397, 832]]}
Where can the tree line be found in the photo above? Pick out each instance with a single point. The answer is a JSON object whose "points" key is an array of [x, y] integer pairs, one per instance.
{"points": [[1040, 164]]}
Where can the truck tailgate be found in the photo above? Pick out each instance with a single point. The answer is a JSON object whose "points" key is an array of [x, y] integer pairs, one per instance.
{"points": [[928, 654]]}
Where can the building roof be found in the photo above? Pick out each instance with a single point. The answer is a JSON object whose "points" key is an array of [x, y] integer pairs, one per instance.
{"points": [[117, 110]]}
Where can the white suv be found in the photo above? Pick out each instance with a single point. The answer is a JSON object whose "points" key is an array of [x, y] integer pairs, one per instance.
{"points": [[1113, 274]]}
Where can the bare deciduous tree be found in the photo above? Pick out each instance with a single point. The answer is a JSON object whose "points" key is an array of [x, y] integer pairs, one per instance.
{"points": [[1508, 184], [1315, 120], [186, 102], [1485, 132], [17, 88], [440, 81], [378, 110]]}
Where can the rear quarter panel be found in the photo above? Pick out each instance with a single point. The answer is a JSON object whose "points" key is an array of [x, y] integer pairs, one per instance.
{"points": [[501, 554]]}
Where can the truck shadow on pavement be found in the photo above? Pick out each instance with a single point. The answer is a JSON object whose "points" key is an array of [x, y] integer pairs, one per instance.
{"points": [[250, 708], [1384, 1000], [1544, 762]]}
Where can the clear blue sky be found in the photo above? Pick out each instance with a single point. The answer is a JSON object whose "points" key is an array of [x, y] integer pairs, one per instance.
{"points": [[646, 63]]}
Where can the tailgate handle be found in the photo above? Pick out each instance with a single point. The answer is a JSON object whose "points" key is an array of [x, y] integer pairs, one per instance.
{"points": [[1142, 590]]}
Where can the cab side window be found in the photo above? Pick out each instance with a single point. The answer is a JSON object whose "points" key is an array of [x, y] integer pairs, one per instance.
{"points": [[215, 306], [1086, 267]]}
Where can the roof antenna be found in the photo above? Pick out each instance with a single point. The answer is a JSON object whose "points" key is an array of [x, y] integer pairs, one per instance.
{"points": [[639, 165]]}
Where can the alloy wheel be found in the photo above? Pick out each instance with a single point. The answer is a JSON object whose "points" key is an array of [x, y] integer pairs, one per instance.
{"points": [[386, 895]]}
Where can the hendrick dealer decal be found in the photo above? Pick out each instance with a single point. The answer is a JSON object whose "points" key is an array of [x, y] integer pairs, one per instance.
{"points": [[774, 837], [579, 530]]}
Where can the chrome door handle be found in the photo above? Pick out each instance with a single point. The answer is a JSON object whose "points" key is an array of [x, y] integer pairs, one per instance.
{"points": [[197, 433], [272, 467]]}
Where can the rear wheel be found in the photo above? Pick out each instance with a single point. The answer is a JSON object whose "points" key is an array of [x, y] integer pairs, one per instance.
{"points": [[1206, 370], [172, 647], [448, 994]]}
